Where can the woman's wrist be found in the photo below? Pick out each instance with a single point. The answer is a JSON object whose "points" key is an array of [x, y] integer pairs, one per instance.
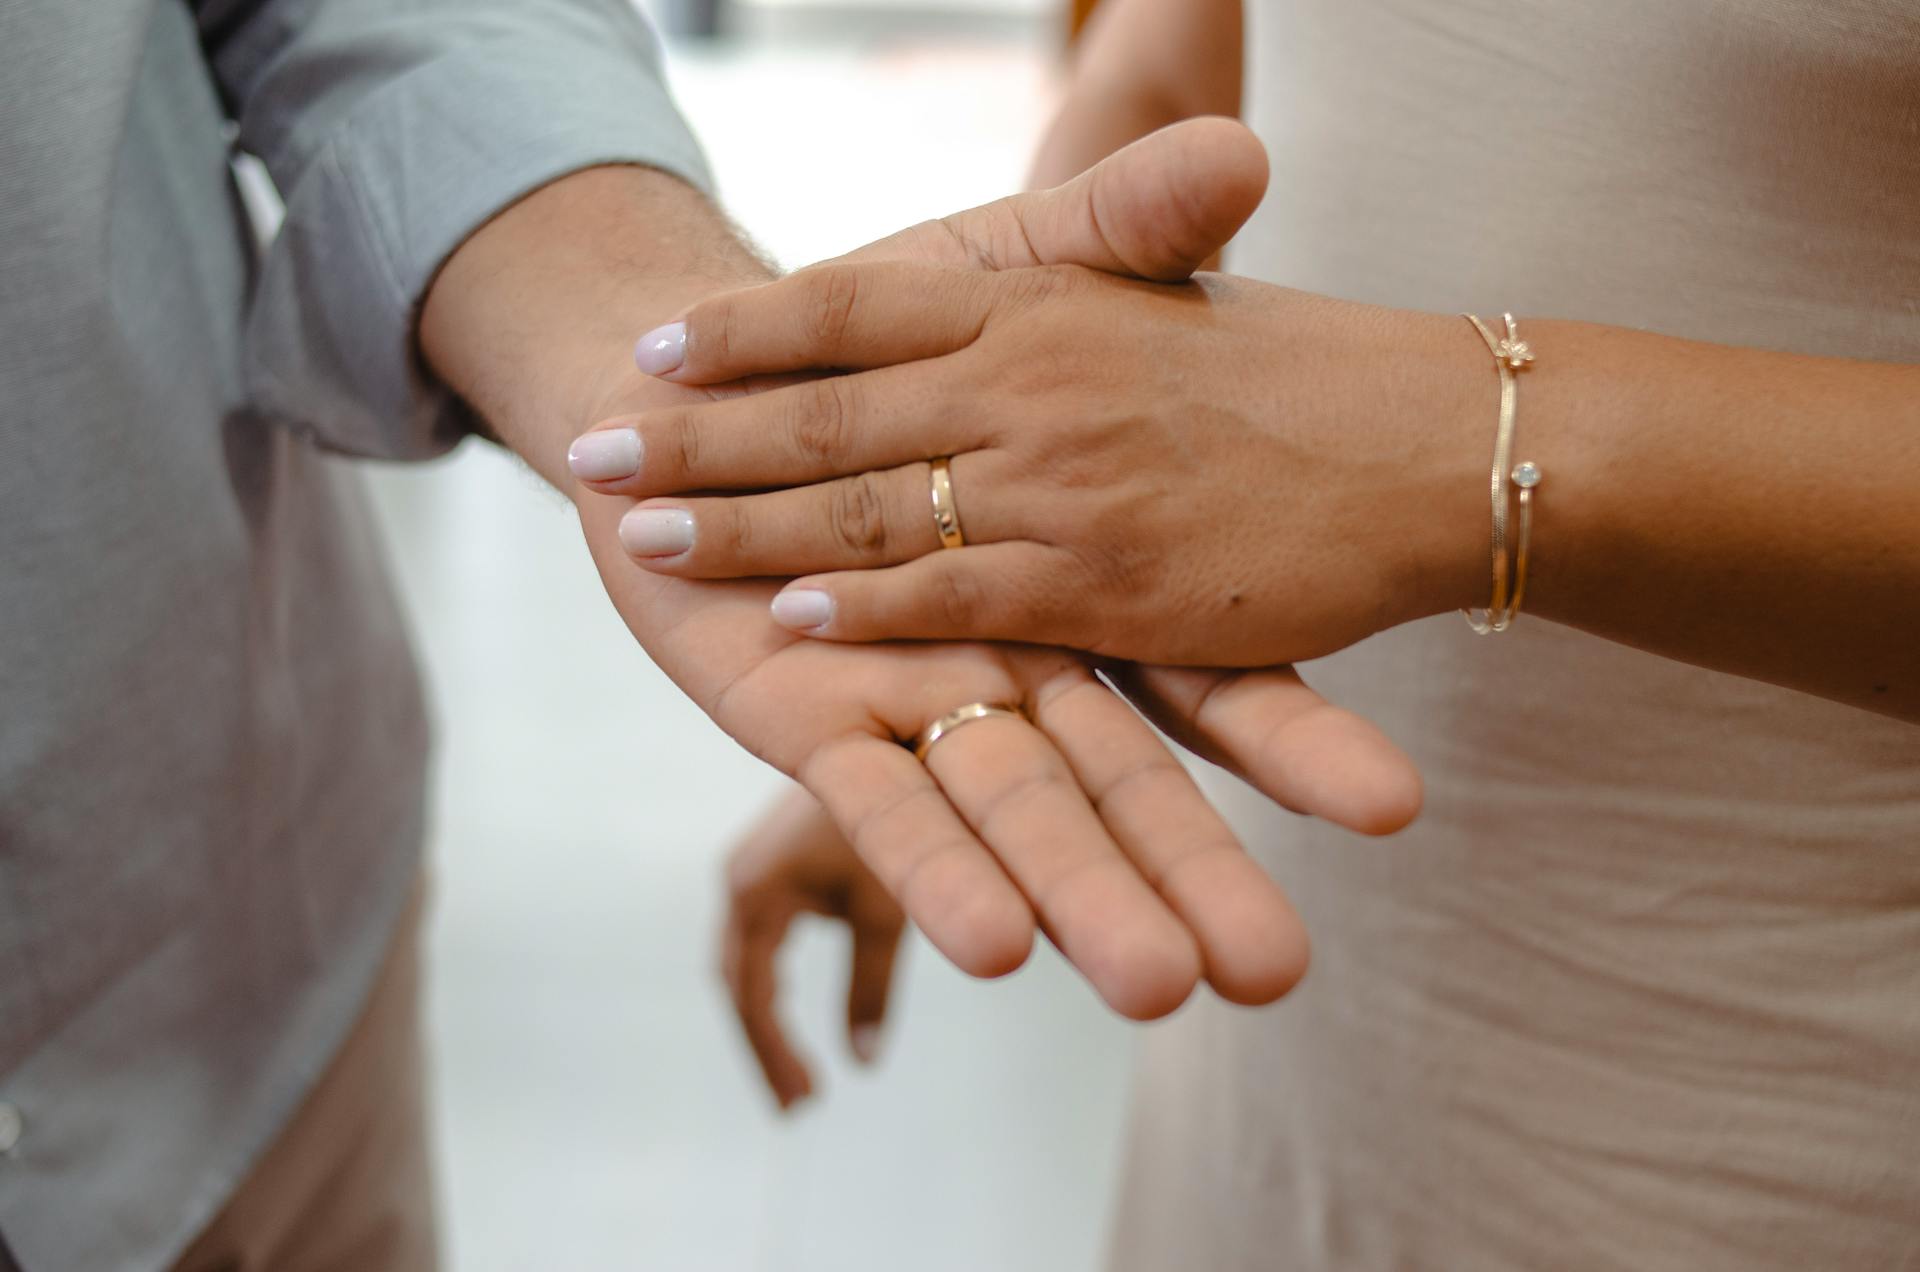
{"points": [[1561, 398], [1585, 409], [1448, 395]]}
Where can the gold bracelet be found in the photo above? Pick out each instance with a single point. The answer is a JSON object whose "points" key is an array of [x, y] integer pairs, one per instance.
{"points": [[1510, 354]]}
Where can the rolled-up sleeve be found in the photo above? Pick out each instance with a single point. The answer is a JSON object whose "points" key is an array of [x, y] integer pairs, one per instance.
{"points": [[393, 129]]}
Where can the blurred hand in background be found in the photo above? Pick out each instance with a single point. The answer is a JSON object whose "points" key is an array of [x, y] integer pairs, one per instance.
{"points": [[795, 861]]}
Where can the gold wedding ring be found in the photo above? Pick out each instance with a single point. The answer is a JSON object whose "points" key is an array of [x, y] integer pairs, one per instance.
{"points": [[946, 513], [955, 718]]}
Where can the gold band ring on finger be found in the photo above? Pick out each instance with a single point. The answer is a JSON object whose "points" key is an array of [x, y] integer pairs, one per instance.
{"points": [[946, 513], [958, 716]]}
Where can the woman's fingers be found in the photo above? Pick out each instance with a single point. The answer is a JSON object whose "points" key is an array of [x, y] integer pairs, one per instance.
{"points": [[807, 432], [859, 522], [828, 317], [1015, 591], [1289, 742], [1251, 940], [1023, 798], [854, 523]]}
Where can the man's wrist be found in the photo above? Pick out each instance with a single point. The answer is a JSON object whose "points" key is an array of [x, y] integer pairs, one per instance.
{"points": [[533, 319]]}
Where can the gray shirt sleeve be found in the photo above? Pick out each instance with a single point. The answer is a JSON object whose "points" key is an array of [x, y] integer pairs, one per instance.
{"points": [[393, 129]]}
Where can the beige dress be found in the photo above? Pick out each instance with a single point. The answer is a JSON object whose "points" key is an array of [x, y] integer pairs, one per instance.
{"points": [[1641, 990]]}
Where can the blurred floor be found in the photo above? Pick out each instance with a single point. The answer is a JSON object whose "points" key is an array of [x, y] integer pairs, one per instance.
{"points": [[596, 1111]]}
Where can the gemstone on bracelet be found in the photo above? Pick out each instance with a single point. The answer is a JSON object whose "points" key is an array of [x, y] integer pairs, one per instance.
{"points": [[1515, 353], [1526, 474]]}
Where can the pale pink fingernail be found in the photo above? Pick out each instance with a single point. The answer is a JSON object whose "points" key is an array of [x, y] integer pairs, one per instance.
{"points": [[803, 610], [657, 532], [662, 350], [607, 455], [866, 1043]]}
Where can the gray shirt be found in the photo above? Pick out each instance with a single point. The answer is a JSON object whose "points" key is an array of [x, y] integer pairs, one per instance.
{"points": [[212, 743]]}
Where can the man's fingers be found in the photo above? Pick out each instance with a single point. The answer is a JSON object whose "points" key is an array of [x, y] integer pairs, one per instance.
{"points": [[1156, 209], [1014, 591], [1022, 797], [1285, 739], [1251, 940], [749, 948], [901, 824], [876, 942], [830, 427], [828, 317]]}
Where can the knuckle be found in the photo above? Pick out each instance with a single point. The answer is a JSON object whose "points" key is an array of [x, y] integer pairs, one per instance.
{"points": [[1046, 600], [1039, 610], [1047, 282], [742, 878], [821, 425], [677, 439], [1039, 787], [736, 529], [976, 250], [1113, 577], [955, 597], [859, 514], [834, 292], [712, 327]]}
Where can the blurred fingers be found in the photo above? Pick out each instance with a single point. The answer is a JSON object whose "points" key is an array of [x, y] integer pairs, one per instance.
{"points": [[877, 925], [750, 944]]}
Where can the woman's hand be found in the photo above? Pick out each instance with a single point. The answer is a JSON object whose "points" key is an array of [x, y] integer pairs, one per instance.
{"points": [[1218, 473], [795, 861]]}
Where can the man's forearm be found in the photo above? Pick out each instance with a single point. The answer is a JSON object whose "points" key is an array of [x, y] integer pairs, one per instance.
{"points": [[532, 320]]}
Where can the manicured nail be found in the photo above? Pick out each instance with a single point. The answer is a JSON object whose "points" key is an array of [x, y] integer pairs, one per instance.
{"points": [[662, 350], [866, 1043], [803, 610], [657, 532], [607, 455]]}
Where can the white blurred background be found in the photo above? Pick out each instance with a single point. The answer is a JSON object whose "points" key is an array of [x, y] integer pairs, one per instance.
{"points": [[596, 1109]]}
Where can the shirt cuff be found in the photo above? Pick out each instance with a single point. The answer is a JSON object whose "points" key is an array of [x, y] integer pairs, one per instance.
{"points": [[430, 157]]}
